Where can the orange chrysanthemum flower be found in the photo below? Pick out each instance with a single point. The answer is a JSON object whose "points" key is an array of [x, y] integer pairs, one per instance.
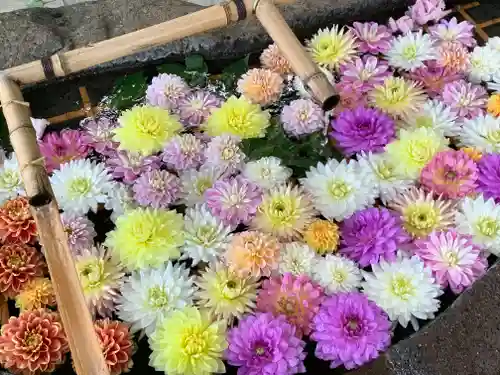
{"points": [[494, 105], [116, 344], [322, 236], [473, 153], [454, 56], [16, 222], [261, 86], [36, 294], [272, 59]]}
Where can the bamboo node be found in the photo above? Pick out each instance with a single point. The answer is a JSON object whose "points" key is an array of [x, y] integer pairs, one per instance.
{"points": [[14, 101], [40, 162], [255, 5], [227, 9]]}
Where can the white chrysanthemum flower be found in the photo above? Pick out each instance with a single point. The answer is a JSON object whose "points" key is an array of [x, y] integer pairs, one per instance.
{"points": [[388, 182], [336, 274], [493, 43], [404, 289], [410, 51], [495, 85], [297, 258], [206, 237], [11, 184], [482, 133], [484, 64], [194, 183], [81, 185], [120, 200], [267, 172], [150, 295], [304, 92], [434, 115], [481, 220], [340, 189]]}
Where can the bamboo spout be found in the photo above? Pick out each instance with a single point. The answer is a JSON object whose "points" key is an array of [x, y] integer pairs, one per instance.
{"points": [[85, 349]]}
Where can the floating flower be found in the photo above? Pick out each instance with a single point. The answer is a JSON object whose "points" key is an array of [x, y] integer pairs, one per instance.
{"points": [[350, 330], [16, 222], [410, 51], [453, 259], [295, 297], [302, 116], [80, 231], [339, 189], [433, 77], [489, 176], [195, 107], [262, 344], [332, 47], [452, 31], [493, 106], [484, 62], [183, 152], [188, 342], [403, 24], [350, 98], [149, 296], [128, 166], [322, 236], [481, 133], [272, 58], [146, 237], [33, 343], [267, 172], [195, 183], [239, 117], [116, 344], [260, 86], [224, 152], [297, 258], [362, 74], [234, 200], [37, 293], [60, 148], [466, 99], [206, 237], [454, 56], [480, 218], [120, 200], [414, 149], [404, 289], [100, 277], [362, 129], [19, 264], [145, 129], [436, 116], [424, 11], [252, 254], [371, 235], [224, 294], [166, 90], [452, 174], [11, 184], [337, 274], [81, 185], [157, 189], [98, 132], [397, 96], [372, 37]]}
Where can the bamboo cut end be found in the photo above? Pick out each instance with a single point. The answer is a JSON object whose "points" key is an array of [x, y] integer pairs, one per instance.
{"points": [[41, 199], [330, 102]]}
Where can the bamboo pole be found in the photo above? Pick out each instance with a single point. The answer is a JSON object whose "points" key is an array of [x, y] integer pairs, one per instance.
{"points": [[85, 349]]}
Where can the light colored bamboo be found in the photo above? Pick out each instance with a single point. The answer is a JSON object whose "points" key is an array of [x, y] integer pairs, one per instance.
{"points": [[86, 353], [4, 310], [301, 62]]}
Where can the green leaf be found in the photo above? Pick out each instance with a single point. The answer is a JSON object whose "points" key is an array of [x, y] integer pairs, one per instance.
{"points": [[128, 91], [238, 67], [173, 68], [196, 63]]}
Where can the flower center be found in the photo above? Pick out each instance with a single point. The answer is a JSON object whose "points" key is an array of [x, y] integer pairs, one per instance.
{"points": [[339, 189], [488, 227], [79, 187], [494, 136], [149, 126], [196, 104], [265, 172], [228, 153], [142, 232], [402, 287], [32, 341], [15, 261], [303, 115], [92, 274], [287, 306], [259, 350], [410, 52], [157, 297], [194, 343], [339, 276], [451, 258], [202, 184], [206, 234], [157, 182], [422, 218], [424, 122], [385, 171]]}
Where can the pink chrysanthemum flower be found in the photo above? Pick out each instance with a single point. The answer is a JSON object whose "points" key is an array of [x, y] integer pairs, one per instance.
{"points": [[223, 152], [450, 173], [403, 24], [184, 152], [302, 116], [372, 37], [272, 59], [80, 231], [117, 345], [128, 166], [434, 77], [466, 99], [453, 56], [195, 107], [296, 297], [234, 200], [60, 148], [350, 98], [425, 11], [453, 259], [454, 31], [261, 86], [157, 189], [165, 91], [98, 132], [363, 74]]}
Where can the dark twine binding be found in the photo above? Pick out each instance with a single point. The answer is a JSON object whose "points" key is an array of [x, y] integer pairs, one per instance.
{"points": [[48, 67], [242, 10]]}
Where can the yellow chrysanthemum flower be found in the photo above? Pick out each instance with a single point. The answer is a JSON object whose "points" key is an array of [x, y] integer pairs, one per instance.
{"points": [[414, 149], [188, 343], [494, 105], [284, 212], [332, 47], [146, 237], [397, 96], [145, 129], [239, 117], [224, 294], [322, 236], [37, 293]]}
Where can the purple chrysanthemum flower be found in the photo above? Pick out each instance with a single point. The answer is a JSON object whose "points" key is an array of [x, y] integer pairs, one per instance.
{"points": [[434, 77], [372, 235], [362, 129], [466, 99], [454, 31], [62, 147], [195, 107], [234, 200], [372, 37], [489, 176], [184, 152], [98, 133], [262, 345], [363, 74], [350, 330], [224, 152], [424, 11], [302, 116], [166, 90], [157, 189], [403, 24], [128, 166], [80, 231]]}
